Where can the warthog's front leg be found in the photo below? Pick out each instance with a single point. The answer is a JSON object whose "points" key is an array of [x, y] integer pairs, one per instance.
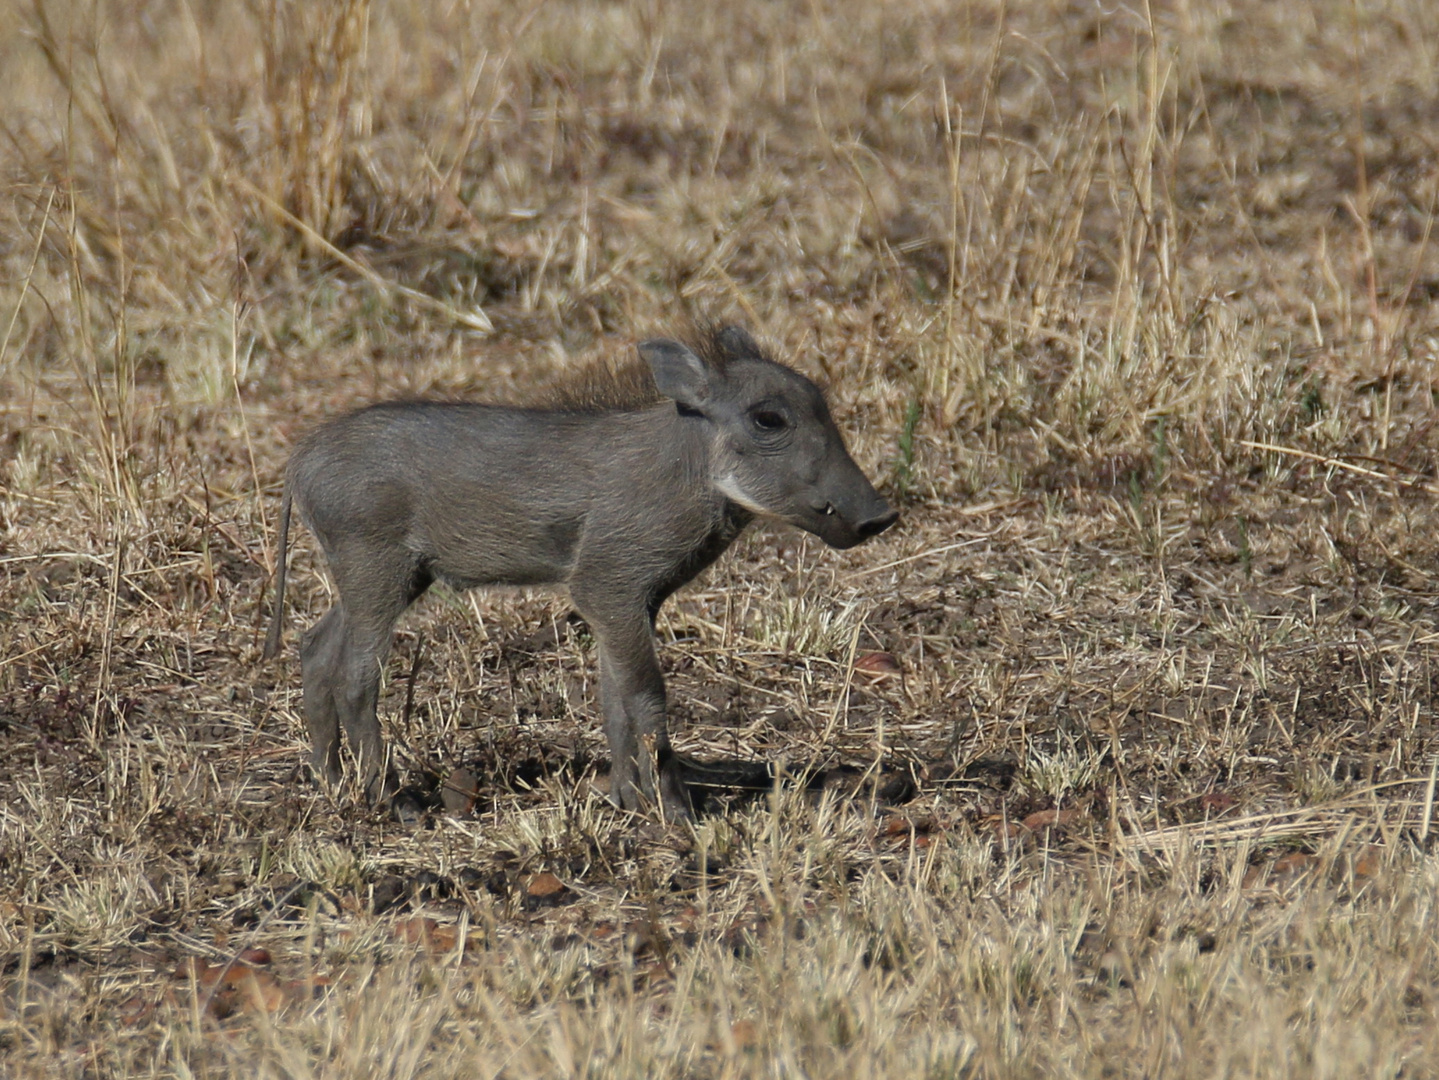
{"points": [[632, 694]]}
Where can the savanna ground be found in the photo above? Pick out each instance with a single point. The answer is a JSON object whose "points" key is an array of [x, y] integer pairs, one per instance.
{"points": [[1115, 758]]}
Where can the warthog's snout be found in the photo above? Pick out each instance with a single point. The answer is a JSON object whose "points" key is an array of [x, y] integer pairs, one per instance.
{"points": [[883, 519], [842, 526]]}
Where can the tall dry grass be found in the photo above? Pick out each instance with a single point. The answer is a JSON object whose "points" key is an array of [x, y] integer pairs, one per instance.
{"points": [[1133, 306]]}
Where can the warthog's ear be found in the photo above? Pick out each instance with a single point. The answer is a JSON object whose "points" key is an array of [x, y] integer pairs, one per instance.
{"points": [[679, 373]]}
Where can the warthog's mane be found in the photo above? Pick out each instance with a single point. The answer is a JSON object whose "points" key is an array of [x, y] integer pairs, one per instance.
{"points": [[624, 383], [611, 384]]}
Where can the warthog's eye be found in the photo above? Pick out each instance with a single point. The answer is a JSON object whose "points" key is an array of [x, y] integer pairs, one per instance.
{"points": [[769, 421]]}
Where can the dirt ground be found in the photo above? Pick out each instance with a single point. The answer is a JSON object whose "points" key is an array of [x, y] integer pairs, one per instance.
{"points": [[1116, 757]]}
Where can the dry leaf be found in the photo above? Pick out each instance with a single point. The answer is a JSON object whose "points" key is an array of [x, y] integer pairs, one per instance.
{"points": [[228, 988], [1294, 864], [460, 792], [1045, 819], [898, 826], [135, 1011], [876, 666], [544, 886], [1007, 829], [918, 831], [434, 937], [1367, 861], [745, 1034], [259, 991]]}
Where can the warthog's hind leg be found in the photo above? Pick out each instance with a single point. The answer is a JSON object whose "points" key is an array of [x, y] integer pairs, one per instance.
{"points": [[320, 657], [375, 587], [358, 701]]}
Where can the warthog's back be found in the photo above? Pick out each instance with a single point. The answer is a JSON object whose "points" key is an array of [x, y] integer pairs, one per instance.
{"points": [[488, 494]]}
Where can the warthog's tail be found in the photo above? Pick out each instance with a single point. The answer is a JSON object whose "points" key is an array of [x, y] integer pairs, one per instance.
{"points": [[277, 621]]}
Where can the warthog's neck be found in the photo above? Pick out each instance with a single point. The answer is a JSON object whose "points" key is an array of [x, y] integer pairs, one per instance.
{"points": [[662, 486], [662, 449]]}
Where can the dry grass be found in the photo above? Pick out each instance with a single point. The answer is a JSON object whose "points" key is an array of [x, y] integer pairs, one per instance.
{"points": [[1135, 307]]}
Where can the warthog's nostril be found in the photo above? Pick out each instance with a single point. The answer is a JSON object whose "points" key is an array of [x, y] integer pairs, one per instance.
{"points": [[876, 525]]}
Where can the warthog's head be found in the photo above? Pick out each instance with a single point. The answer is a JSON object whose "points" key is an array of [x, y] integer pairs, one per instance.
{"points": [[776, 450]]}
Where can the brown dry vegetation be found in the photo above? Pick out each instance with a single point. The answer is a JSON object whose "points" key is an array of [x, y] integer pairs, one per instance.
{"points": [[1136, 310]]}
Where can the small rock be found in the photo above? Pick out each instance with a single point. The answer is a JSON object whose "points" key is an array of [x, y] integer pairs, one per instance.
{"points": [[408, 809], [386, 893], [428, 885], [896, 787], [843, 780]]}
